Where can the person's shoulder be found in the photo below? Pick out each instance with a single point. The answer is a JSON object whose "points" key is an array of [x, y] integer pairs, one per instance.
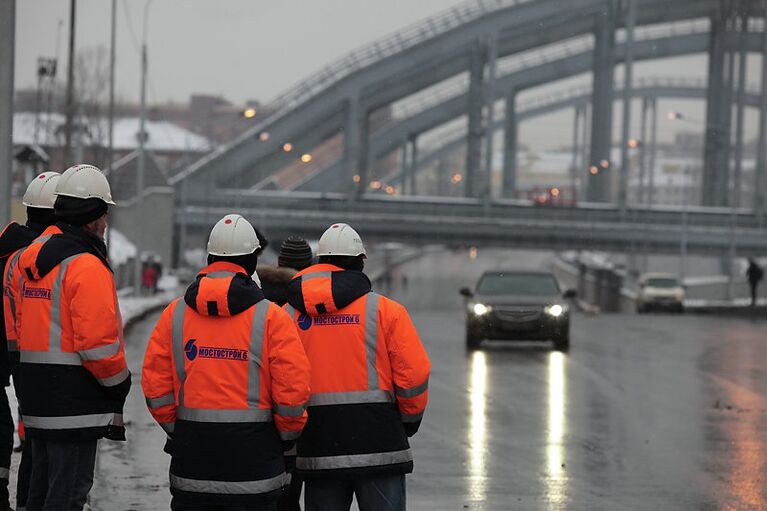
{"points": [[389, 305], [88, 267]]}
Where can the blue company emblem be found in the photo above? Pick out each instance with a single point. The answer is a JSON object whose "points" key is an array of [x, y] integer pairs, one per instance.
{"points": [[190, 349], [304, 322]]}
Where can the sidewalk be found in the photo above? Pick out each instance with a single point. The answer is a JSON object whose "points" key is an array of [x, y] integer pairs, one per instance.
{"points": [[740, 307]]}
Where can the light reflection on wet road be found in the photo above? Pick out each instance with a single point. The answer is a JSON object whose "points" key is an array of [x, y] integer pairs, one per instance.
{"points": [[645, 412]]}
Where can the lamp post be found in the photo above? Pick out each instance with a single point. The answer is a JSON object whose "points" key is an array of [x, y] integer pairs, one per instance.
{"points": [[7, 40], [142, 136], [731, 251]]}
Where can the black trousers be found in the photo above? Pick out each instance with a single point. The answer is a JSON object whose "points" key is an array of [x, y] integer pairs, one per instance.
{"points": [[62, 474], [6, 447], [24, 476]]}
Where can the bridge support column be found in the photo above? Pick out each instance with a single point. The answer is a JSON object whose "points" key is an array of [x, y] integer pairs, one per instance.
{"points": [[472, 183], [602, 107], [413, 166], [487, 189], [510, 147], [640, 199], [761, 151], [653, 152], [355, 148], [576, 164], [404, 168], [443, 176], [742, 58], [716, 152], [628, 67]]}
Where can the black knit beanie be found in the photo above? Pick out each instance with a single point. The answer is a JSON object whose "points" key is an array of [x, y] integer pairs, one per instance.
{"points": [[79, 212], [295, 253]]}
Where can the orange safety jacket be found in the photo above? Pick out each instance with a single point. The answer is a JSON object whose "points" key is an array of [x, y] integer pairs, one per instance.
{"points": [[73, 370], [226, 377], [370, 375], [13, 238]]}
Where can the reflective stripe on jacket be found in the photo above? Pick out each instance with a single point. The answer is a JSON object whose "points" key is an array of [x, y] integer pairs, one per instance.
{"points": [[71, 340], [369, 375], [226, 376]]}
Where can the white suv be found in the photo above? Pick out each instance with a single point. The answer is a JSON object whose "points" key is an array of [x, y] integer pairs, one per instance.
{"points": [[660, 291]]}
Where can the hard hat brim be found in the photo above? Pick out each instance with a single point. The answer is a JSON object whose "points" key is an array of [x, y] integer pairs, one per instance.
{"points": [[25, 204], [110, 202]]}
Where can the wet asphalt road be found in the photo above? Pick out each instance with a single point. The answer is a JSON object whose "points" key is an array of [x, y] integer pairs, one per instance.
{"points": [[645, 412]]}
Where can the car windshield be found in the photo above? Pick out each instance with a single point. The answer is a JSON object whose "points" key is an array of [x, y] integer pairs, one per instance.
{"points": [[662, 282], [529, 284]]}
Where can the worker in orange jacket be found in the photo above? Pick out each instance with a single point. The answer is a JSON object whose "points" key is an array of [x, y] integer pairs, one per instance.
{"points": [[226, 377], [369, 383], [38, 199], [74, 378]]}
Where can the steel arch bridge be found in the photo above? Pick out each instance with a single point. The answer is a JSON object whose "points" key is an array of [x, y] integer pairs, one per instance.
{"points": [[468, 62]]}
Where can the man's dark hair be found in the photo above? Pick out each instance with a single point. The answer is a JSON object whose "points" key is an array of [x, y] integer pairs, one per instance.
{"points": [[356, 263]]}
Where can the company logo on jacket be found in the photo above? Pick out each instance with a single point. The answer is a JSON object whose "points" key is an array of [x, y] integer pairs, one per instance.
{"points": [[37, 292], [305, 321], [192, 351]]}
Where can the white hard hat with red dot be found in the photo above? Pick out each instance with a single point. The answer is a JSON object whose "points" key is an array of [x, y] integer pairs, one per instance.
{"points": [[84, 182], [41, 191], [232, 236]]}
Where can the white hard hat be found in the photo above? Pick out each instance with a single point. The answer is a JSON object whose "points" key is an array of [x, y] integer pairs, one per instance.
{"points": [[41, 192], [232, 236], [341, 240], [84, 182]]}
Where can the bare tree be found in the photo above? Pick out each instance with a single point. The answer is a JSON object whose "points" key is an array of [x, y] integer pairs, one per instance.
{"points": [[92, 96]]}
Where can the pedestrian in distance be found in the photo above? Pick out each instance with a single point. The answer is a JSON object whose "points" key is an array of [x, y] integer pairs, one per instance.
{"points": [[74, 377], [226, 377], [369, 384], [38, 199], [754, 274]]}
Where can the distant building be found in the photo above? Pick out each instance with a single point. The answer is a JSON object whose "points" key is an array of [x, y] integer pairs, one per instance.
{"points": [[43, 134]]}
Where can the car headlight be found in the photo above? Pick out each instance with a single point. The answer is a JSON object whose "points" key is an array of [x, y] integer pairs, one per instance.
{"points": [[480, 309], [554, 310]]}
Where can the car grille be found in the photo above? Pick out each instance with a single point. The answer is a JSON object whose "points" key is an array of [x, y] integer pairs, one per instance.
{"points": [[518, 314]]}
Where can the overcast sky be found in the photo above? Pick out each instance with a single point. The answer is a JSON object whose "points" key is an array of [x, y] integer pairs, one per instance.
{"points": [[254, 49], [241, 49]]}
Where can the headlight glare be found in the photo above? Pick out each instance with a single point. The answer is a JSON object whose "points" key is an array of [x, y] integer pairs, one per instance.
{"points": [[480, 309], [555, 310]]}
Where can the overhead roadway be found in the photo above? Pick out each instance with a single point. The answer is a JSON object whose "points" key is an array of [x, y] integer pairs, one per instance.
{"points": [[343, 99], [466, 222], [397, 134], [646, 88]]}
